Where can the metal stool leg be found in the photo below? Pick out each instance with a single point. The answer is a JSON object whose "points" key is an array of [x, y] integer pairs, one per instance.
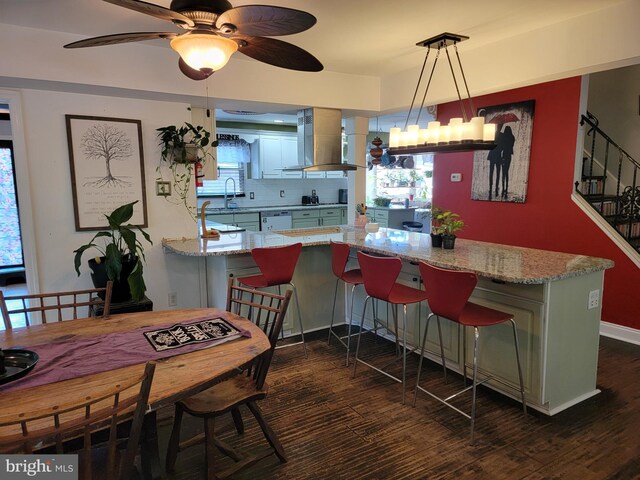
{"points": [[475, 379], [350, 322], [355, 361], [515, 339], [424, 345], [333, 311], [404, 350], [304, 344], [444, 363]]}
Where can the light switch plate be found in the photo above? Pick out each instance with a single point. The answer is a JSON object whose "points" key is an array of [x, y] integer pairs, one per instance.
{"points": [[456, 177]]}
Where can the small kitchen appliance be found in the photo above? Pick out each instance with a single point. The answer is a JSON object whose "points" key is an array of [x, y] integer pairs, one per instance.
{"points": [[342, 195]]}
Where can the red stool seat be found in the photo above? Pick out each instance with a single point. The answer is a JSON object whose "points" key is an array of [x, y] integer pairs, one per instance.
{"points": [[255, 281], [474, 315]]}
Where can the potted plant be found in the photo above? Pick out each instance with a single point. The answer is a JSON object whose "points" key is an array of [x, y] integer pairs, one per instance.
{"points": [[436, 234], [450, 223], [184, 150], [120, 258], [413, 178]]}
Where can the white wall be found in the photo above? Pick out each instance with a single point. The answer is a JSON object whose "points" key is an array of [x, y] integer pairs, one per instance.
{"points": [[614, 98], [52, 201]]}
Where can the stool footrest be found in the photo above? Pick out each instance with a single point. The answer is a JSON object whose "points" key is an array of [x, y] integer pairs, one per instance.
{"points": [[445, 402], [377, 369]]}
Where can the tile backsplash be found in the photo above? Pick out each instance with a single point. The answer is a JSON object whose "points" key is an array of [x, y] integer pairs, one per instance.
{"points": [[267, 192]]}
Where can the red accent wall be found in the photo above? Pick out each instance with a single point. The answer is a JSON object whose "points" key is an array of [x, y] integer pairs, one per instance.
{"points": [[548, 219]]}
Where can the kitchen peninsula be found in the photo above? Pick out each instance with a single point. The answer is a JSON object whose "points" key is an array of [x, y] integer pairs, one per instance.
{"points": [[547, 292]]}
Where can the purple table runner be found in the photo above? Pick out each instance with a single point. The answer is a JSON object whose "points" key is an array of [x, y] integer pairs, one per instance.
{"points": [[79, 357]]}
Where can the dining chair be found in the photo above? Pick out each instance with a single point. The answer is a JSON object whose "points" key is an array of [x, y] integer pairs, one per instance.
{"points": [[380, 275], [22, 310], [449, 292], [54, 426], [267, 311]]}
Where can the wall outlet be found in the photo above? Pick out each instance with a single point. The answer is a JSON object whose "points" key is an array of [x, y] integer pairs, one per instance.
{"points": [[594, 299], [251, 195], [172, 299], [281, 193], [456, 177]]}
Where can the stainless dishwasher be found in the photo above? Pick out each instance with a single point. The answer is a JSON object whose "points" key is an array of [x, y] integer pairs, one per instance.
{"points": [[274, 221]]}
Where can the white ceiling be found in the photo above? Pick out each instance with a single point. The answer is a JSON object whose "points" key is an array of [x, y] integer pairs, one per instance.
{"points": [[365, 37]]}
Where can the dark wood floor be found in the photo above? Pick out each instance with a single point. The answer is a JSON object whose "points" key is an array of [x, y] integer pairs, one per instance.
{"points": [[335, 427]]}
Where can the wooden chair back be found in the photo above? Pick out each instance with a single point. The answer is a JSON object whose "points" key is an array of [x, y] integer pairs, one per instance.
{"points": [[267, 311], [53, 425], [53, 307]]}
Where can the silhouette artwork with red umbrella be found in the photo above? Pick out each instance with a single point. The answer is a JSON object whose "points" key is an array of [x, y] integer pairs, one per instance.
{"points": [[500, 175]]}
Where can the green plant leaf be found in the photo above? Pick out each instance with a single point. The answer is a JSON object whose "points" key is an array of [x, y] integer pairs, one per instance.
{"points": [[113, 262], [121, 215], [136, 282], [78, 257]]}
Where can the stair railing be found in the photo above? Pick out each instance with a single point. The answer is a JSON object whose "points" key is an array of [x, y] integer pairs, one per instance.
{"points": [[618, 204]]}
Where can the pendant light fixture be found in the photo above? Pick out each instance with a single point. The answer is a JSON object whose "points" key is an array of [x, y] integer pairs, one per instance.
{"points": [[462, 134]]}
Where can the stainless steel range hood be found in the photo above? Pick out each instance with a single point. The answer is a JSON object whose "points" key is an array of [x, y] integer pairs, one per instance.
{"points": [[320, 140]]}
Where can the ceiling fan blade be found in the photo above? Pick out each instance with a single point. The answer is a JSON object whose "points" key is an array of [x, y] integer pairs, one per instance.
{"points": [[278, 53], [119, 38], [192, 73], [153, 10], [265, 20]]}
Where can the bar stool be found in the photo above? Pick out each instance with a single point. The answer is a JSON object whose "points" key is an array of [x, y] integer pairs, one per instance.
{"points": [[353, 277], [276, 266], [449, 292], [379, 275]]}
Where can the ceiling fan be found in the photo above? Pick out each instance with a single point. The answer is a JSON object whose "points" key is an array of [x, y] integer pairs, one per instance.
{"points": [[214, 30]]}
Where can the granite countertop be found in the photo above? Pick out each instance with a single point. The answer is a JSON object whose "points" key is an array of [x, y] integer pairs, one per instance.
{"points": [[490, 260]]}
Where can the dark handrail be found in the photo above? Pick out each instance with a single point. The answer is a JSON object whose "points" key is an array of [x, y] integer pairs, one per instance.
{"points": [[594, 126]]}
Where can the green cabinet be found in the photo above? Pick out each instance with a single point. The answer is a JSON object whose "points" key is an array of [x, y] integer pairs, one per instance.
{"points": [[390, 217], [317, 217], [248, 221]]}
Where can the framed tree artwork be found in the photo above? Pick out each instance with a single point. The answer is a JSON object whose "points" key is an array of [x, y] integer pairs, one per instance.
{"points": [[501, 174], [107, 169]]}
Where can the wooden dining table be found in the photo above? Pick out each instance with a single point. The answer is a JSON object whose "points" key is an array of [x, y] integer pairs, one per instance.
{"points": [[176, 377]]}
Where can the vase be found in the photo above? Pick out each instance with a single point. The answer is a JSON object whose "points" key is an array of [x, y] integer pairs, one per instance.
{"points": [[448, 242], [436, 240], [121, 291], [361, 221]]}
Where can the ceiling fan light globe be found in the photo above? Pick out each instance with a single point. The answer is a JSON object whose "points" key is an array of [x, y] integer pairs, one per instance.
{"points": [[204, 52]]}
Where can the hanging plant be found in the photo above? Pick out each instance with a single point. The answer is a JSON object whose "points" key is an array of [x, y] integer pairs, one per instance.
{"points": [[184, 151]]}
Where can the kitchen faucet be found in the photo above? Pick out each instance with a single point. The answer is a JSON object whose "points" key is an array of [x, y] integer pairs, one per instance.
{"points": [[228, 203]]}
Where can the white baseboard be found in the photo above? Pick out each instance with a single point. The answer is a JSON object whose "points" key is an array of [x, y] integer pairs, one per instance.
{"points": [[619, 332]]}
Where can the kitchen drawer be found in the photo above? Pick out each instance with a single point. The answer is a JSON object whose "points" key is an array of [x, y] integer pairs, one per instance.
{"points": [[253, 226], [330, 212], [305, 222], [246, 217], [308, 213], [382, 215], [227, 219]]}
